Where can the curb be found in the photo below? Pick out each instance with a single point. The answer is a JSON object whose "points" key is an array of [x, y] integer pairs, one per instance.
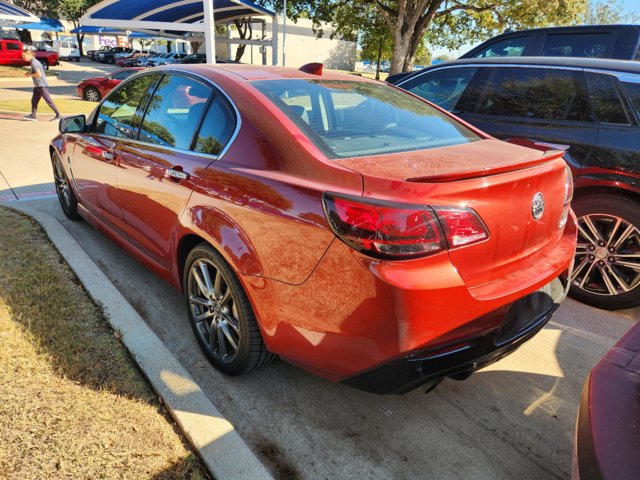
{"points": [[221, 448]]}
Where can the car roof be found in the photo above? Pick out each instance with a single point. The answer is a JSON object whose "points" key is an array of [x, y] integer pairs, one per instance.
{"points": [[627, 66], [574, 28], [256, 72]]}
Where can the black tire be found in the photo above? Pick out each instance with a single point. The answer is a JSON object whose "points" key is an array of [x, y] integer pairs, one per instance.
{"points": [[221, 316], [67, 198], [607, 266], [45, 63], [91, 94]]}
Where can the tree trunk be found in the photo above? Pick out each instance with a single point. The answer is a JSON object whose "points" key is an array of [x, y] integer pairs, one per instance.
{"points": [[379, 60]]}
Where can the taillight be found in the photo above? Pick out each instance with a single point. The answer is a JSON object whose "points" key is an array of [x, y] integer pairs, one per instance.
{"points": [[568, 186], [568, 196], [462, 226], [393, 230]]}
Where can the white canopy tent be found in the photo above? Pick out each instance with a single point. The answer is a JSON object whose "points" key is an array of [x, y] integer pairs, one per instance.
{"points": [[178, 16]]}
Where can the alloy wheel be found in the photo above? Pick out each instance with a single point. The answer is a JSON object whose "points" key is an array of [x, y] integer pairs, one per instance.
{"points": [[607, 258], [63, 189], [214, 310]]}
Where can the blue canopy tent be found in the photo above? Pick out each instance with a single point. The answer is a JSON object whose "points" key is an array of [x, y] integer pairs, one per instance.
{"points": [[112, 31], [10, 15], [45, 24], [169, 16]]}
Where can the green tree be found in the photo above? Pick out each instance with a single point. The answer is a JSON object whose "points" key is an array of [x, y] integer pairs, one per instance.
{"points": [[606, 13], [447, 23], [73, 10]]}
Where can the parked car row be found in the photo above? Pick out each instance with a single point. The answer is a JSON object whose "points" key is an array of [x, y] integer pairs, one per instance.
{"points": [[94, 89]]}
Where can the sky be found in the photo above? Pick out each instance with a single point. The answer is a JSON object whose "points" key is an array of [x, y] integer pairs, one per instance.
{"points": [[630, 6]]}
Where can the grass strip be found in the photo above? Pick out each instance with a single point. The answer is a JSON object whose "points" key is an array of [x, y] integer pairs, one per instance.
{"points": [[18, 72], [66, 106], [72, 402]]}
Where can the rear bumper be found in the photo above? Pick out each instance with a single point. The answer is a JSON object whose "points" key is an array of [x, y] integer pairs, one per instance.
{"points": [[391, 326], [522, 320]]}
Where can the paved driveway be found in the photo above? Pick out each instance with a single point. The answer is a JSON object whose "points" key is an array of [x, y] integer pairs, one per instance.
{"points": [[514, 419]]}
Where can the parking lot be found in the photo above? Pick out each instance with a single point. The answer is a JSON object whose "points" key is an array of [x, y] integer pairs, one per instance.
{"points": [[514, 419]]}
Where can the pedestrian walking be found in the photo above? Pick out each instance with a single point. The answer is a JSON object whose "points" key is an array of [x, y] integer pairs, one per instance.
{"points": [[40, 86]]}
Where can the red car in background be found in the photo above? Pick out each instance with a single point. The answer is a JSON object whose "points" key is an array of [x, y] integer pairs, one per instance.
{"points": [[11, 54], [94, 89], [342, 224]]}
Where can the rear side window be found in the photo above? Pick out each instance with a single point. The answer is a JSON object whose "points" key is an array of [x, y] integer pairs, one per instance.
{"points": [[13, 46], [605, 99], [577, 45], [443, 87], [535, 93], [510, 47], [353, 118], [217, 127], [117, 115], [633, 91], [174, 112]]}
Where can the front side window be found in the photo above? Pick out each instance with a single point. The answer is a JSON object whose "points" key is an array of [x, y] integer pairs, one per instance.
{"points": [[577, 45], [174, 112], [605, 100], [348, 118], [117, 115], [510, 47], [442, 87], [535, 93]]}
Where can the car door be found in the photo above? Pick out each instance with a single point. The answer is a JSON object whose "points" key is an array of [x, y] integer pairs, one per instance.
{"points": [[616, 106], [533, 104], [158, 170], [95, 163]]}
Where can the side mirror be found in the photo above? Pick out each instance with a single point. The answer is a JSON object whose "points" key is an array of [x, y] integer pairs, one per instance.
{"points": [[74, 124]]}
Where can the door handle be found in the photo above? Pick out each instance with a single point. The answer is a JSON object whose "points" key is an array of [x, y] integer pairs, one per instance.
{"points": [[177, 174], [108, 156]]}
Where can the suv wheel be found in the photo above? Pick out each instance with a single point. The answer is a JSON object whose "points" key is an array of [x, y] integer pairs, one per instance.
{"points": [[607, 263], [45, 63]]}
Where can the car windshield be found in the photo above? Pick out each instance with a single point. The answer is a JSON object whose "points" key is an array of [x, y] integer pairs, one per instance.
{"points": [[351, 118]]}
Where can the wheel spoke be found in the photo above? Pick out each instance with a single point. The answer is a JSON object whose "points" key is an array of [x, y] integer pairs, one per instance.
{"points": [[201, 316], [633, 266], [232, 322], [613, 232], [592, 234], [608, 282], [227, 333], [625, 235], [579, 268], [222, 347], [586, 276], [226, 298], [201, 283], [200, 301], [206, 277], [217, 285], [615, 277]]}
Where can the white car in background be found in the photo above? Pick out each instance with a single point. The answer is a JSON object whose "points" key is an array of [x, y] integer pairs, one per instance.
{"points": [[67, 50]]}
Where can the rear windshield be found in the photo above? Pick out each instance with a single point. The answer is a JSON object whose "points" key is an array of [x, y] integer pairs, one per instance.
{"points": [[351, 119]]}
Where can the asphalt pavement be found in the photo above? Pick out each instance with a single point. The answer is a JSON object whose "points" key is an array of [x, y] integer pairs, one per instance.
{"points": [[514, 419]]}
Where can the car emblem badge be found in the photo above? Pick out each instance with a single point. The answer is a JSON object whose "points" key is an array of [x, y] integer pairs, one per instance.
{"points": [[537, 206]]}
